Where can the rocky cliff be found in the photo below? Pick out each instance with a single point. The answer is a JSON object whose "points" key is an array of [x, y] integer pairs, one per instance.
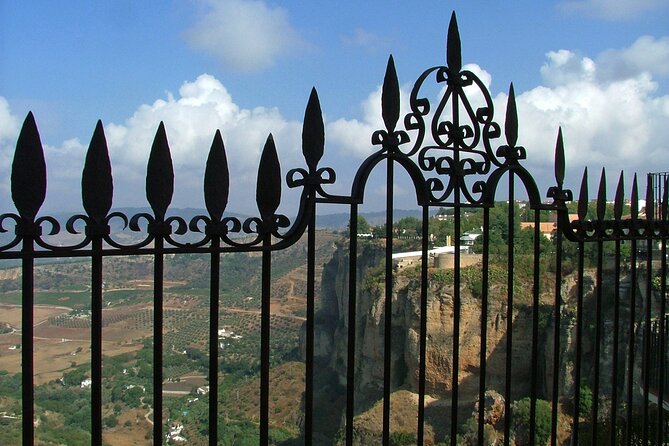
{"points": [[331, 334]]}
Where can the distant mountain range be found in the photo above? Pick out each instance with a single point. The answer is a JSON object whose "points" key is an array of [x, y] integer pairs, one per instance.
{"points": [[336, 221]]}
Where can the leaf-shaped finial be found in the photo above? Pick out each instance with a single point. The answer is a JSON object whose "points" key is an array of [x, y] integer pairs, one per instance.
{"points": [[583, 196], [634, 204], [160, 175], [453, 46], [390, 97], [650, 199], [28, 171], [601, 197], [313, 132], [620, 198], [216, 179], [97, 186], [511, 122], [559, 159], [268, 191]]}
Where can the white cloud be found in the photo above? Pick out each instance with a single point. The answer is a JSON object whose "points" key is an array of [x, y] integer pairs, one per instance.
{"points": [[564, 66], [646, 55], [612, 9], [354, 136], [615, 121], [9, 125], [9, 129], [191, 119], [618, 123], [245, 35], [363, 38]]}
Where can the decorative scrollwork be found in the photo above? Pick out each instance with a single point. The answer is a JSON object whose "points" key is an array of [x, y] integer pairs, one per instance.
{"points": [[17, 235], [458, 126]]}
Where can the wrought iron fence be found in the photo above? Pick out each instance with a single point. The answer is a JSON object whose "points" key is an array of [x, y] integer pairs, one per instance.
{"points": [[458, 157]]}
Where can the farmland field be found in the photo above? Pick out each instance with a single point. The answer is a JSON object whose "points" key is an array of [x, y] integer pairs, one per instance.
{"points": [[62, 331]]}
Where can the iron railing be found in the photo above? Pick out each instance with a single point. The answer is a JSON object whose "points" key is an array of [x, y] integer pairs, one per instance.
{"points": [[452, 155]]}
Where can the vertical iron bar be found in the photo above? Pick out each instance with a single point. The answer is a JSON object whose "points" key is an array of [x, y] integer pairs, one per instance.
{"points": [[662, 344], [650, 218], [96, 340], [535, 325], [631, 346], [352, 290], [158, 267], [214, 296], [509, 313], [598, 338], [264, 338], [556, 333], [483, 360], [309, 367], [646, 334], [388, 309], [456, 318], [455, 110], [27, 323], [616, 329], [579, 341], [423, 326]]}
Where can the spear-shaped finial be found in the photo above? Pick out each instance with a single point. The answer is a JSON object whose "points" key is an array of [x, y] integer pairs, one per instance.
{"points": [[390, 97], [160, 174], [313, 132], [97, 186], [583, 196], [268, 189], [216, 179], [28, 171], [620, 198], [511, 122], [453, 46], [634, 205], [559, 159], [601, 197]]}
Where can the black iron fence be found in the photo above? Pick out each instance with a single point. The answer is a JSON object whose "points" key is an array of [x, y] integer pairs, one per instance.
{"points": [[596, 354]]}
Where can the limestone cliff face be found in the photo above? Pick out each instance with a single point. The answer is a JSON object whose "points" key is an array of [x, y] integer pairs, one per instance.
{"points": [[331, 336], [331, 331]]}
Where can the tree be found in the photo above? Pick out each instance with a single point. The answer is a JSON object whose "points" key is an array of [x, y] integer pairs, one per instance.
{"points": [[363, 225], [409, 226]]}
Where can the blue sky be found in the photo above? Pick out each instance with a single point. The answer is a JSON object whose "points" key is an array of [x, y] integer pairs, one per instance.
{"points": [[599, 68]]}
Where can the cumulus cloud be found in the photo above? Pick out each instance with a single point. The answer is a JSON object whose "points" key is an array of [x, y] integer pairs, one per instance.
{"points": [[191, 118], [612, 9], [618, 123], [646, 55], [352, 136], [563, 67], [9, 128], [245, 35]]}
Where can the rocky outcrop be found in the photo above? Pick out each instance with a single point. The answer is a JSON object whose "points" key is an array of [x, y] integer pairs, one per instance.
{"points": [[331, 336], [331, 331]]}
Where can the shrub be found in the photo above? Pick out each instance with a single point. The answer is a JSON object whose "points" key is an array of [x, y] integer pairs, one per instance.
{"points": [[585, 402], [402, 438], [111, 421], [521, 421]]}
